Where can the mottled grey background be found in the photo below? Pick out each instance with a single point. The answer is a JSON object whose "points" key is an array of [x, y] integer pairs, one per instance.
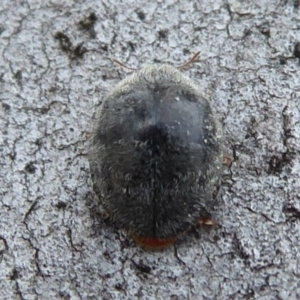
{"points": [[54, 71]]}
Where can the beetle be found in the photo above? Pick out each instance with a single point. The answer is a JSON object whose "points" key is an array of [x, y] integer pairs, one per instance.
{"points": [[156, 154]]}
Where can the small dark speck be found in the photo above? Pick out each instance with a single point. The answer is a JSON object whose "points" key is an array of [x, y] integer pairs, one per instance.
{"points": [[104, 48], [79, 50], [30, 168], [198, 28], [141, 15], [64, 295], [119, 287], [14, 274], [88, 22], [66, 45], [52, 89], [186, 51], [18, 76], [163, 34], [44, 110], [5, 106], [131, 45], [142, 267], [71, 129], [282, 60], [275, 165], [38, 142], [61, 205], [157, 61], [92, 17], [64, 41], [265, 30]]}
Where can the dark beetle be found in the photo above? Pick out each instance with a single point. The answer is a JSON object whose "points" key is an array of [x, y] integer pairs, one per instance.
{"points": [[156, 155]]}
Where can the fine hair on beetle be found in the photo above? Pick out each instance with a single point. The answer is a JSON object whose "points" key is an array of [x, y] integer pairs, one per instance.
{"points": [[156, 154]]}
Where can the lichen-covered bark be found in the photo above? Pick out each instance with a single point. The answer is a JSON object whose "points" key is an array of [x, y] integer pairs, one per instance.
{"points": [[55, 69]]}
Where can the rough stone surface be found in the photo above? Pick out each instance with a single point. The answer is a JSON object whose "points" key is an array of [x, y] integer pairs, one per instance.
{"points": [[55, 69]]}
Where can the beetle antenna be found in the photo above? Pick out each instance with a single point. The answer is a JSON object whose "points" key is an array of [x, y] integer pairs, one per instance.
{"points": [[191, 61], [122, 65]]}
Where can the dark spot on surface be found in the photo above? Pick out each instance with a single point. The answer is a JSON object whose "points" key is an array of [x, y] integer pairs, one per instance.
{"points": [[163, 34], [104, 47], [52, 89], [104, 77], [265, 29], [296, 4], [246, 32], [275, 165], [141, 15], [157, 61], [64, 41], [14, 275], [297, 50], [30, 168], [88, 24], [66, 45], [113, 39], [142, 267], [79, 50], [119, 287], [107, 255], [282, 60], [186, 51], [38, 142], [12, 155], [44, 110], [5, 106], [64, 295], [199, 28], [131, 46], [18, 76], [61, 205]]}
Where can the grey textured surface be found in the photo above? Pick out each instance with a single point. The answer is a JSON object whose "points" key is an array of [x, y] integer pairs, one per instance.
{"points": [[53, 243]]}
